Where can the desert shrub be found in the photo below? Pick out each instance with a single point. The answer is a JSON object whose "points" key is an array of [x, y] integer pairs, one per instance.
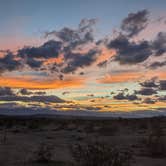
{"points": [[43, 154], [156, 146], [4, 136], [98, 154], [155, 142]]}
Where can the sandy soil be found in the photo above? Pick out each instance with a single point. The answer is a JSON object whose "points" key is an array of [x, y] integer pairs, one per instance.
{"points": [[22, 139]]}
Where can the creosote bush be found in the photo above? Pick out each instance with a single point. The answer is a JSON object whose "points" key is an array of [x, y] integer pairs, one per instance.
{"points": [[43, 154], [155, 141], [99, 154]]}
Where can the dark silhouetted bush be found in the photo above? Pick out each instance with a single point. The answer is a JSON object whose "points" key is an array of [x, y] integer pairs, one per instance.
{"points": [[155, 141], [98, 154], [43, 154]]}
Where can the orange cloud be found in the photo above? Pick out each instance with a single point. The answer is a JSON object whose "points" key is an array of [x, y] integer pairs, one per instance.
{"points": [[156, 73], [15, 82], [132, 76], [124, 77], [57, 60], [105, 55]]}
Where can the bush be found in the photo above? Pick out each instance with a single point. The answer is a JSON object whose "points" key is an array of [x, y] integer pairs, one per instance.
{"points": [[155, 142], [98, 154], [43, 154]]}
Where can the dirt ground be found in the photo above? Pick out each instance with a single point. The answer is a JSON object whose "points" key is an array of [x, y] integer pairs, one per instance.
{"points": [[24, 140]]}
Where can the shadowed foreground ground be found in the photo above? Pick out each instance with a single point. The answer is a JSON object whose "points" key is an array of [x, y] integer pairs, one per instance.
{"points": [[44, 141]]}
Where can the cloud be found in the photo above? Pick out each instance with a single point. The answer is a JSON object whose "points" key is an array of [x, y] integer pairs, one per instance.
{"points": [[7, 94], [162, 84], [152, 86], [102, 64], [78, 60], [6, 91], [9, 63], [25, 91], [65, 92], [62, 46], [44, 99], [122, 77], [149, 101], [159, 49], [162, 98], [44, 83], [74, 37], [122, 96], [70, 49], [49, 49], [157, 64], [146, 91], [39, 93], [159, 44], [128, 52], [149, 83], [33, 63], [135, 22]]}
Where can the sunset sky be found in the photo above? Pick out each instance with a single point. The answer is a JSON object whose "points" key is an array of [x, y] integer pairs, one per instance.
{"points": [[83, 55]]}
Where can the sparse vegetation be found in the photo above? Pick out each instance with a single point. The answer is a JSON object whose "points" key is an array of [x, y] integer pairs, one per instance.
{"points": [[43, 154], [99, 154], [21, 142], [155, 141]]}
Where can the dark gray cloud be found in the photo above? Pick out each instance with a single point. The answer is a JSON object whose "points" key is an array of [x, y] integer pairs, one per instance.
{"points": [[122, 96], [149, 83], [44, 99], [130, 52], [162, 98], [135, 22], [157, 64], [8, 63], [39, 93], [34, 63], [7, 94], [146, 91], [74, 37], [68, 42], [35, 56], [25, 92], [50, 49], [6, 91], [69, 39], [78, 60], [159, 44], [162, 84]]}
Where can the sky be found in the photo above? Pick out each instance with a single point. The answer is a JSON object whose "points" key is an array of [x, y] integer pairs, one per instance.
{"points": [[82, 55]]}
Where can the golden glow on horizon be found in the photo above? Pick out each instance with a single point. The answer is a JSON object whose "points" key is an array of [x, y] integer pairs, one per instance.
{"points": [[39, 84]]}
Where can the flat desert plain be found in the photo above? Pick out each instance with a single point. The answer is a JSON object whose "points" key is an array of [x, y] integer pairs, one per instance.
{"points": [[38, 141]]}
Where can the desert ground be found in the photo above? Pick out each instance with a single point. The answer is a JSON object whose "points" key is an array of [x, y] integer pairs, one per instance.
{"points": [[38, 141]]}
